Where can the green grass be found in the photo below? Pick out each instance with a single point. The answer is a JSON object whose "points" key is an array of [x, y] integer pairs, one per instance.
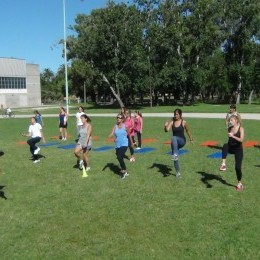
{"points": [[51, 212], [197, 108]]}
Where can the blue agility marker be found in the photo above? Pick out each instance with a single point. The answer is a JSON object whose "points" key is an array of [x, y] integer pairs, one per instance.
{"points": [[103, 148], [181, 152], [145, 150], [68, 146], [216, 155]]}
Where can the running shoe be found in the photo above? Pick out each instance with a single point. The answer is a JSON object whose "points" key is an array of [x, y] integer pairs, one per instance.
{"points": [[81, 164], [125, 174], [132, 159], [175, 157], [178, 175], [36, 161], [223, 167], [239, 187], [37, 150]]}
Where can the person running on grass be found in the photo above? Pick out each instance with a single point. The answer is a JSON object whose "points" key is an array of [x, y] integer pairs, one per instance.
{"points": [[129, 123], [63, 123], [178, 125], [122, 135], [138, 128], [36, 134], [232, 111], [38, 117], [84, 143], [234, 146]]}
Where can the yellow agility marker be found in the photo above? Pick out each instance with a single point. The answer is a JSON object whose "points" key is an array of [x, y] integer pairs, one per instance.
{"points": [[84, 174]]}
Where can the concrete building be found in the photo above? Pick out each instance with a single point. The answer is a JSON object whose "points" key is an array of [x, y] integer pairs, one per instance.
{"points": [[19, 83]]}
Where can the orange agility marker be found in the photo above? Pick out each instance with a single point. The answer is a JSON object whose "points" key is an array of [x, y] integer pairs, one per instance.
{"points": [[209, 143], [250, 143]]}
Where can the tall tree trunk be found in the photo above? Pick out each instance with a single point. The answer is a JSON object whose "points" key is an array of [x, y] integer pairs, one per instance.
{"points": [[250, 97], [116, 95], [239, 90]]}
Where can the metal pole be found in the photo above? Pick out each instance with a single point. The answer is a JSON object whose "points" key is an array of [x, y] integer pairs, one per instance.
{"points": [[65, 57]]}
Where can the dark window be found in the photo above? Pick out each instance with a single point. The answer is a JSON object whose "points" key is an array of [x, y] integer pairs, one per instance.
{"points": [[12, 83]]}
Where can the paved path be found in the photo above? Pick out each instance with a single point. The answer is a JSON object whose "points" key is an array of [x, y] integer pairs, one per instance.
{"points": [[166, 115]]}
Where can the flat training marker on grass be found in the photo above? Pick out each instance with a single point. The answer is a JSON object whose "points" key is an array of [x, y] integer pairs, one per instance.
{"points": [[68, 146], [21, 142], [145, 150], [250, 143], [209, 143], [148, 140], [103, 148], [216, 155]]}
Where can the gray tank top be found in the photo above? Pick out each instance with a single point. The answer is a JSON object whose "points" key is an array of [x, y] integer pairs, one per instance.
{"points": [[83, 136]]}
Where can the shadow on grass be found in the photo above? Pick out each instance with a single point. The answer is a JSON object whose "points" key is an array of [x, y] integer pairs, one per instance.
{"points": [[1, 153], [2, 194], [113, 167], [218, 147], [257, 146], [257, 166], [207, 177], [162, 168], [38, 156]]}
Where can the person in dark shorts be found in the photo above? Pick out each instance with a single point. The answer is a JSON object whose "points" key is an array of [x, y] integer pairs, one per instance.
{"points": [[63, 123]]}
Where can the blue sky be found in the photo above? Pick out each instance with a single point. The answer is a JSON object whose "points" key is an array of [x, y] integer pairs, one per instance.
{"points": [[31, 29]]}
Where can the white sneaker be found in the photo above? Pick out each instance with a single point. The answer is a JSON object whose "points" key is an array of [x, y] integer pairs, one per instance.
{"points": [[87, 169], [132, 159], [175, 157], [178, 175], [81, 164], [36, 161], [138, 148], [64, 139], [37, 150], [124, 175]]}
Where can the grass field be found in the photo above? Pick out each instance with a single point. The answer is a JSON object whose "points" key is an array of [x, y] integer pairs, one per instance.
{"points": [[51, 212]]}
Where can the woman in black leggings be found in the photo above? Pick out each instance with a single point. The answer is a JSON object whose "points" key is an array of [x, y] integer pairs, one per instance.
{"points": [[234, 146]]}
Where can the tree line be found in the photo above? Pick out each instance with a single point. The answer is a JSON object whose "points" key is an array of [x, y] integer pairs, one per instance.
{"points": [[163, 51]]}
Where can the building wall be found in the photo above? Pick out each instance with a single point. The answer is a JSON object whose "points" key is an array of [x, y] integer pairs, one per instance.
{"points": [[14, 97]]}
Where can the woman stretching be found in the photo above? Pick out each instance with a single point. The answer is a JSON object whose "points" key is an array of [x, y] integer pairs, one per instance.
{"points": [[234, 146], [84, 142], [178, 137]]}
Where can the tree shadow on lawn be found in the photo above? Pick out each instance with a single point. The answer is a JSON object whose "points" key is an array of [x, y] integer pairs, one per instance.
{"points": [[207, 177], [257, 166], [218, 147], [162, 168], [113, 167], [2, 194]]}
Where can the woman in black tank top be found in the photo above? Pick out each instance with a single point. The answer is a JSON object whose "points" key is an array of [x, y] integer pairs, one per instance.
{"points": [[178, 125], [234, 146]]}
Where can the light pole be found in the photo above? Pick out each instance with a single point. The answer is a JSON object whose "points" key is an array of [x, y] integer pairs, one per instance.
{"points": [[65, 56]]}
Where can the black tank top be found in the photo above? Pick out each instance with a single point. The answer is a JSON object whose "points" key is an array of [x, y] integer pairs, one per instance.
{"points": [[178, 131], [233, 142]]}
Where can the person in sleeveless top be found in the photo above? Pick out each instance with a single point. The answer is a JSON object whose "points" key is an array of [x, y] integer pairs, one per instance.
{"points": [[234, 146], [232, 111], [63, 123], [178, 125], [138, 128], [129, 123], [84, 143], [38, 117], [122, 136], [78, 118]]}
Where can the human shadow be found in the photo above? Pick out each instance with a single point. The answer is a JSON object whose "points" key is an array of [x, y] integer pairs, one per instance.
{"points": [[162, 168], [207, 177], [257, 146], [218, 147], [2, 194], [2, 153], [113, 167], [38, 156], [257, 166]]}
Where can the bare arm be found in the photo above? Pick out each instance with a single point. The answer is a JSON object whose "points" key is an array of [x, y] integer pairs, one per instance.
{"points": [[242, 135], [112, 132], [129, 137], [88, 133], [167, 126], [187, 129]]}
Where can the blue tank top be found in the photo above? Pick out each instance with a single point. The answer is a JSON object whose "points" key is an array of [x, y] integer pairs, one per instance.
{"points": [[178, 131], [121, 136]]}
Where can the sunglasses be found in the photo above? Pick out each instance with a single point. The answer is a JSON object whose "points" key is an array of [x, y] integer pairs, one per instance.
{"points": [[119, 117]]}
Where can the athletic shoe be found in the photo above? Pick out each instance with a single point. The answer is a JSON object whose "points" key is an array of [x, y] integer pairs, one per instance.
{"points": [[223, 167], [37, 150], [178, 175], [138, 148], [175, 157], [36, 161], [125, 174], [239, 187], [87, 169], [81, 164], [132, 159]]}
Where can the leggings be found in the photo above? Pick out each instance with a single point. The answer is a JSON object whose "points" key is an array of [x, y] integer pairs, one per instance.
{"points": [[139, 138], [129, 145], [177, 143], [32, 145], [238, 152], [120, 153]]}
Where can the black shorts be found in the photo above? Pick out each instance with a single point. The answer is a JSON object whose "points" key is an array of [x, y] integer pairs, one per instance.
{"points": [[63, 125]]}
